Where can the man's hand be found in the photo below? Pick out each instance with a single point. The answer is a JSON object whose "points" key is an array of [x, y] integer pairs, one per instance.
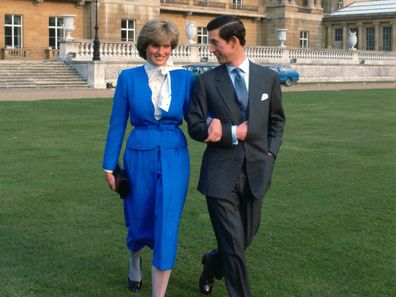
{"points": [[242, 130], [110, 179], [214, 131]]}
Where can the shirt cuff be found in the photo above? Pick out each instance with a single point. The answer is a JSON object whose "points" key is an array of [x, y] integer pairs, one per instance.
{"points": [[109, 171], [234, 136]]}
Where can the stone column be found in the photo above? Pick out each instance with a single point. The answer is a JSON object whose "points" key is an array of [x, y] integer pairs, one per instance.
{"points": [[96, 75], [329, 37], [393, 36], [311, 3], [318, 4], [344, 37], [360, 37], [377, 36]]}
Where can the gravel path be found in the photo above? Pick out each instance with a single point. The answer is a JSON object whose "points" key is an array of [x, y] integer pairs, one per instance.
{"points": [[64, 93]]}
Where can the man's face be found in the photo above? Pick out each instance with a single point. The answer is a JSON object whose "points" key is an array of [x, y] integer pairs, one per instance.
{"points": [[222, 49]]}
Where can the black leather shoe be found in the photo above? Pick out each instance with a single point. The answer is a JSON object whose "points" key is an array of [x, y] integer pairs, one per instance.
{"points": [[206, 281], [135, 286]]}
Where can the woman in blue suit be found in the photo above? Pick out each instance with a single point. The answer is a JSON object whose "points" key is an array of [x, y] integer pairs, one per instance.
{"points": [[155, 97]]}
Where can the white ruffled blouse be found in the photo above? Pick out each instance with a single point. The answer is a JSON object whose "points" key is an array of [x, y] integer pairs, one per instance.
{"points": [[160, 85]]}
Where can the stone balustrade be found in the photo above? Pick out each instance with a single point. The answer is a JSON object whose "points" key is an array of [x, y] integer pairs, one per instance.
{"points": [[13, 53], [322, 56], [377, 56], [115, 56], [82, 50], [199, 4]]}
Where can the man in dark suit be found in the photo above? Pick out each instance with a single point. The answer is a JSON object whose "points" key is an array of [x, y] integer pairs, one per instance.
{"points": [[236, 108]]}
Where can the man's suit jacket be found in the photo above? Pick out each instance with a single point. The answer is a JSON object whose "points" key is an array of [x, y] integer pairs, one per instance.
{"points": [[222, 162]]}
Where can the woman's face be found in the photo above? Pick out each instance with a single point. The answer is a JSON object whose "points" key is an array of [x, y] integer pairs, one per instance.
{"points": [[158, 54]]}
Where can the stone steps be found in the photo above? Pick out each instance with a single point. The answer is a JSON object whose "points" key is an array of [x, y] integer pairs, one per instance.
{"points": [[38, 74]]}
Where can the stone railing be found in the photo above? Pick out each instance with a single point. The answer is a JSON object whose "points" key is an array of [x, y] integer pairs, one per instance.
{"points": [[322, 56], [82, 50], [211, 4], [52, 53], [115, 56], [199, 4], [376, 56], [13, 53]]}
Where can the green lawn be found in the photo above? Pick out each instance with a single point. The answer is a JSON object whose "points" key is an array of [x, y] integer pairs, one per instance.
{"points": [[329, 221]]}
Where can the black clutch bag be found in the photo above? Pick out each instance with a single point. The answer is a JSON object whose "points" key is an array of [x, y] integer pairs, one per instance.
{"points": [[122, 183]]}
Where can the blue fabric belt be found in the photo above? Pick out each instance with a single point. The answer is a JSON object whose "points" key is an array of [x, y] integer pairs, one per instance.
{"points": [[157, 127]]}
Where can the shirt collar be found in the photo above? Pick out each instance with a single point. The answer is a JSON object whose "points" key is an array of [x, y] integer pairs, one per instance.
{"points": [[244, 66], [150, 68]]}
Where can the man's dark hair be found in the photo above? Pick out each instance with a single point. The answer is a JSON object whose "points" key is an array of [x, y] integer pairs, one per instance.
{"points": [[228, 26]]}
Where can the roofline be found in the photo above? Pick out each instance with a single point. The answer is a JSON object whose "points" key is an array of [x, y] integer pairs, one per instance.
{"points": [[359, 16]]}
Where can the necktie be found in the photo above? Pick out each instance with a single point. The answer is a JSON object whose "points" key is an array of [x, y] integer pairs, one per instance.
{"points": [[241, 92]]}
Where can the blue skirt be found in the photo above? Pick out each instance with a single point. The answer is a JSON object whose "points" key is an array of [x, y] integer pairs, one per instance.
{"points": [[159, 183]]}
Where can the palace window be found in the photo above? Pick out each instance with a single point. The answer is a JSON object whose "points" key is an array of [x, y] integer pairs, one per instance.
{"points": [[55, 31], [237, 4], [13, 31], [202, 35], [338, 34], [387, 38], [370, 38], [303, 39], [201, 2], [127, 30]]}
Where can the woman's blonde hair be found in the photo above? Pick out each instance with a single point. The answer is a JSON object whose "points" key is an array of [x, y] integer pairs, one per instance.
{"points": [[157, 31]]}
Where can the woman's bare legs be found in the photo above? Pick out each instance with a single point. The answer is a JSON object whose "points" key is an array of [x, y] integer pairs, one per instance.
{"points": [[160, 279]]}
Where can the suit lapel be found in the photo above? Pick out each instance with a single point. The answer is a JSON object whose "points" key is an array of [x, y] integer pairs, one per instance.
{"points": [[226, 90], [256, 86]]}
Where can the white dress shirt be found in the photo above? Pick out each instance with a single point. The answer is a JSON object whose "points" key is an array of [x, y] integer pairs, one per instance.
{"points": [[245, 73]]}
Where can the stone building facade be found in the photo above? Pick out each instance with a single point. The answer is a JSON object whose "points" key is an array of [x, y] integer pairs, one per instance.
{"points": [[32, 29], [373, 23]]}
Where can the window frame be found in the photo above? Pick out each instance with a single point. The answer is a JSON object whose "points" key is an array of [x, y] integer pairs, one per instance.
{"points": [[128, 30], [338, 33], [370, 38], [387, 38], [237, 4], [201, 34], [57, 38], [304, 39], [13, 27]]}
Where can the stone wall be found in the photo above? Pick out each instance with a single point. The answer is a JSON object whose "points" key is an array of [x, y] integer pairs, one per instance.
{"points": [[295, 20], [35, 23], [107, 72], [252, 28], [346, 73], [112, 12]]}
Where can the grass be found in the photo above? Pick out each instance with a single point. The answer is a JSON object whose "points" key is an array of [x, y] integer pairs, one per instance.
{"points": [[328, 227]]}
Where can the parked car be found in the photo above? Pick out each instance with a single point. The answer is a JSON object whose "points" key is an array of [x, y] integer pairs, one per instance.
{"points": [[287, 75], [198, 69]]}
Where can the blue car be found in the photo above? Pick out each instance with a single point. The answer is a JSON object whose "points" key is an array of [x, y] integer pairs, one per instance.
{"points": [[287, 75], [198, 69]]}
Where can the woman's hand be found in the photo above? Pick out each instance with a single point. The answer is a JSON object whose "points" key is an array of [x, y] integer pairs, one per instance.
{"points": [[110, 179]]}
